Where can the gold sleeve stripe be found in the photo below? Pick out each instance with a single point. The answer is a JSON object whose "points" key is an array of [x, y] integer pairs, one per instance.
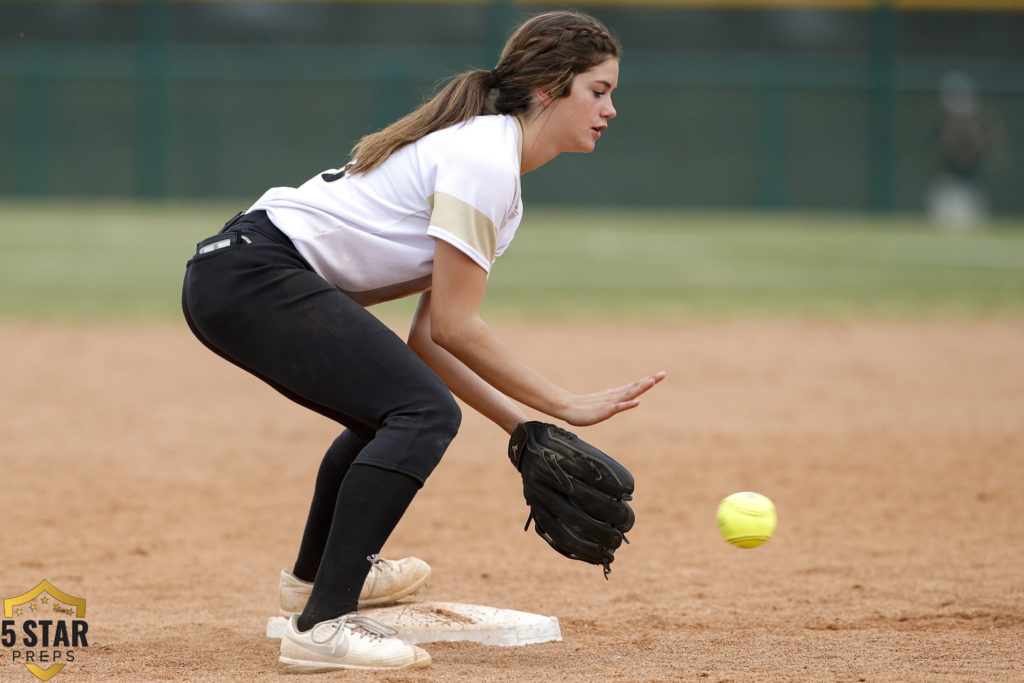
{"points": [[465, 222]]}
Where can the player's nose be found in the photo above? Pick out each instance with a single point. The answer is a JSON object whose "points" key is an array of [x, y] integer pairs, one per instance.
{"points": [[609, 111]]}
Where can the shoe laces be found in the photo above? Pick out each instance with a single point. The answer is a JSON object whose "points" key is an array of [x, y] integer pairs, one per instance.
{"points": [[372, 627], [378, 563]]}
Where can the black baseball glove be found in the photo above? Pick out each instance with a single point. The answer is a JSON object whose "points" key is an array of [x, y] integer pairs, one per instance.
{"points": [[577, 494]]}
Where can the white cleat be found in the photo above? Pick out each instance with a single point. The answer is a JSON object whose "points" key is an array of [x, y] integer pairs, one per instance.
{"points": [[348, 642], [387, 582]]}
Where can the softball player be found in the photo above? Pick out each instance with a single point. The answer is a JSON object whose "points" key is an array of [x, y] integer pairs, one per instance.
{"points": [[425, 207]]}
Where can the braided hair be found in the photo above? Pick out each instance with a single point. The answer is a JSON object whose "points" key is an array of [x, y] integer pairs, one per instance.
{"points": [[544, 54]]}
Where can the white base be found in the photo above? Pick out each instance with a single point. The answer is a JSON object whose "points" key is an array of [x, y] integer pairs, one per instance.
{"points": [[429, 622]]}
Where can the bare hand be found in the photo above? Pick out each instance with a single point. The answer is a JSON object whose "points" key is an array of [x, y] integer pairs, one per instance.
{"points": [[588, 409]]}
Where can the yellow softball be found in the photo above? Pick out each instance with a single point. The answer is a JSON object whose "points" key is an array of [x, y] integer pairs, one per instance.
{"points": [[746, 519]]}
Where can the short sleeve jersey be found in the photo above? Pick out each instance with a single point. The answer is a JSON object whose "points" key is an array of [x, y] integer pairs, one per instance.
{"points": [[372, 234]]}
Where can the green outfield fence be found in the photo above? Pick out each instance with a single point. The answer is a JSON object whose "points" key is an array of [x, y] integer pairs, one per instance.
{"points": [[734, 104]]}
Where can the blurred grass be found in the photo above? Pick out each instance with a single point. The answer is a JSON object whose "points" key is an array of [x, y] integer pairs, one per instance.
{"points": [[723, 264], [74, 262]]}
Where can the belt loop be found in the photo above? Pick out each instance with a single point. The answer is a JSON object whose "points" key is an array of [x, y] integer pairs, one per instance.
{"points": [[234, 220]]}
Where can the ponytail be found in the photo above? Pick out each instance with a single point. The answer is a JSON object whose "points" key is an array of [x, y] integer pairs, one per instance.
{"points": [[544, 54], [465, 96]]}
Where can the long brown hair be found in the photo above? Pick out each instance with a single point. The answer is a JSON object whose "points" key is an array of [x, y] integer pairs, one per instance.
{"points": [[545, 53]]}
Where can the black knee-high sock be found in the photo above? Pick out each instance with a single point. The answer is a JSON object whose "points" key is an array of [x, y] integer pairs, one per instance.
{"points": [[335, 465], [371, 502]]}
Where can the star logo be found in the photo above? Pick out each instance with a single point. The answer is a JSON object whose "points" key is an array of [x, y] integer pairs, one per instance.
{"points": [[52, 633]]}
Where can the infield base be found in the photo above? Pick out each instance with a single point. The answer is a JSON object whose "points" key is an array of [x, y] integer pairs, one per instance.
{"points": [[429, 622]]}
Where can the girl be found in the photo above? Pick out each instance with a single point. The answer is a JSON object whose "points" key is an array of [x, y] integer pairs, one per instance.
{"points": [[425, 206]]}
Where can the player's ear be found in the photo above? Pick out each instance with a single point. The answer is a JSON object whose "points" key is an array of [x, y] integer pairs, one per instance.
{"points": [[542, 98]]}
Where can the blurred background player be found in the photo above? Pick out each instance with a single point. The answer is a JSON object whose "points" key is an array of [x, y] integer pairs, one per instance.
{"points": [[967, 139]]}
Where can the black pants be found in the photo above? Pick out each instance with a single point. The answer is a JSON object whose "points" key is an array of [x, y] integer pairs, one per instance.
{"points": [[250, 297], [258, 303]]}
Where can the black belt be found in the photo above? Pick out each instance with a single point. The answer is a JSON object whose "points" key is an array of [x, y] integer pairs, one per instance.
{"points": [[241, 229]]}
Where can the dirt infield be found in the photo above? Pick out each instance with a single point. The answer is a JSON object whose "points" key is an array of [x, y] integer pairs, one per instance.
{"points": [[167, 488]]}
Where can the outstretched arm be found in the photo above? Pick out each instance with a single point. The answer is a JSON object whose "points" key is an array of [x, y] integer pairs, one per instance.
{"points": [[462, 381], [455, 325]]}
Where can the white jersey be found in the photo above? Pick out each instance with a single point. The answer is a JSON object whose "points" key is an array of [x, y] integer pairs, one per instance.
{"points": [[372, 234]]}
